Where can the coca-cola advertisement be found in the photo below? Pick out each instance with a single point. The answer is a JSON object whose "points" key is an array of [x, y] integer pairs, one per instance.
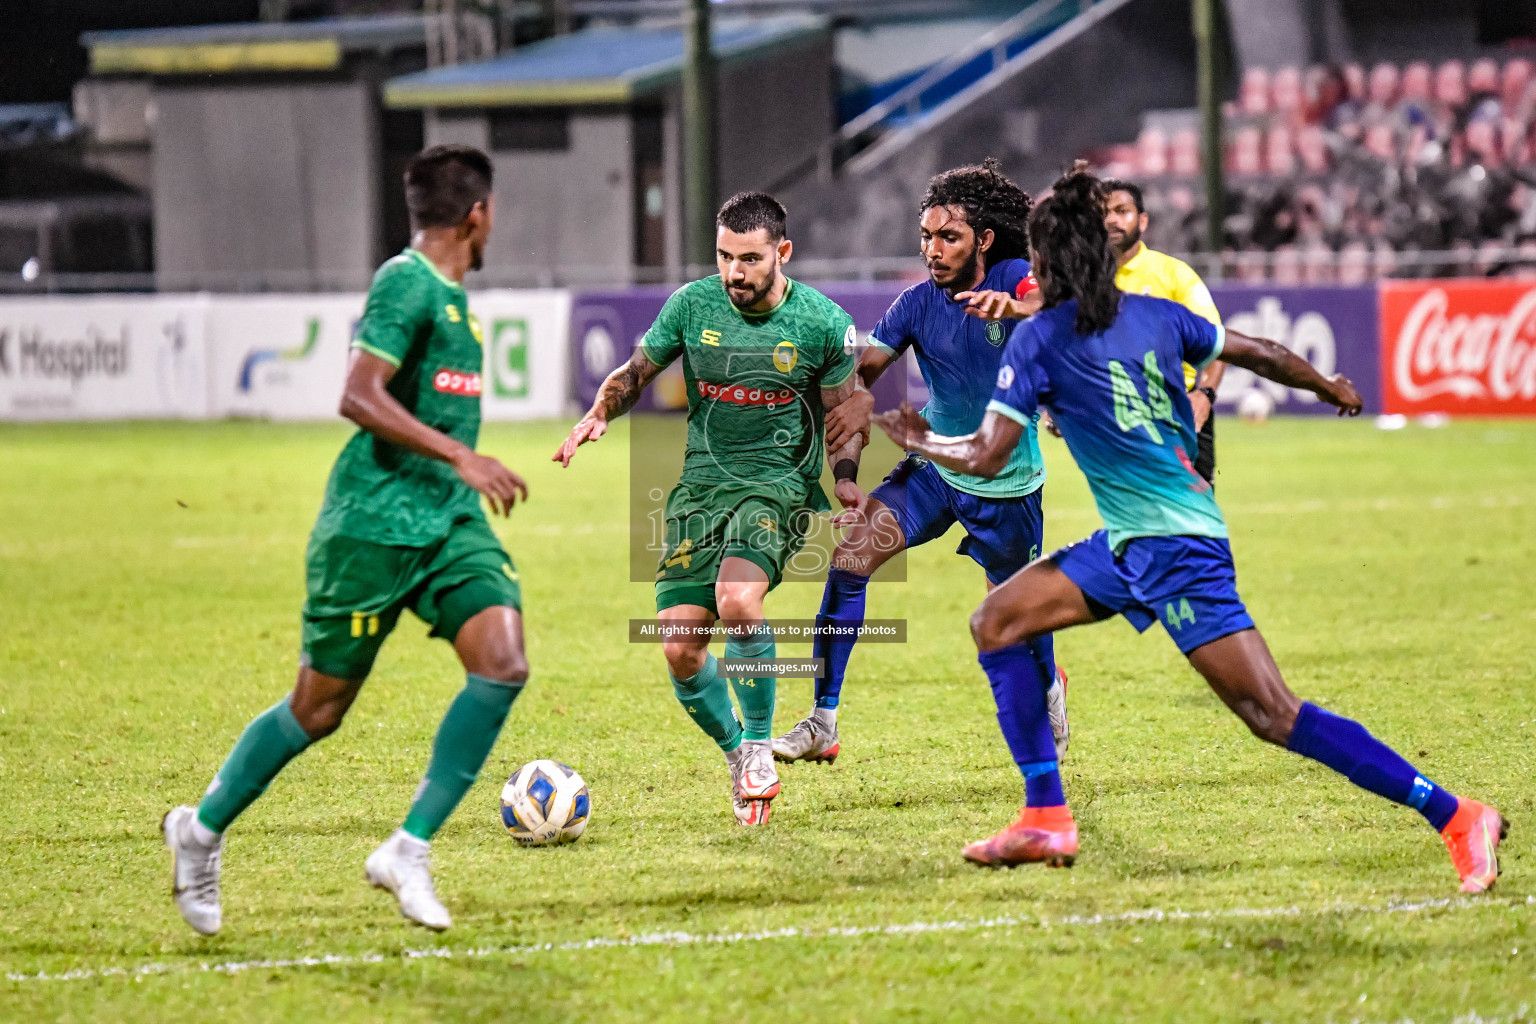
{"points": [[1459, 347]]}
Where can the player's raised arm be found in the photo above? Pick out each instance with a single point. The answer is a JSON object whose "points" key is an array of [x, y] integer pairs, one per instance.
{"points": [[366, 402], [1275, 362], [618, 394], [984, 453]]}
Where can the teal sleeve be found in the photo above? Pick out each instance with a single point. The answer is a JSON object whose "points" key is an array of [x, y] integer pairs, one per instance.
{"points": [[399, 304], [664, 341], [841, 341]]}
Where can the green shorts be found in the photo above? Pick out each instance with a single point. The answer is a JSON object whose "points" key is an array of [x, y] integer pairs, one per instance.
{"points": [[706, 524], [357, 589]]}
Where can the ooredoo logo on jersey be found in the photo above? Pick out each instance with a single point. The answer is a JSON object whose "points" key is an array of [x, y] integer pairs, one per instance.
{"points": [[456, 382]]}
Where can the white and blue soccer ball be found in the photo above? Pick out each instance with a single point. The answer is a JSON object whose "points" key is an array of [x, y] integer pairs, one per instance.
{"points": [[544, 803]]}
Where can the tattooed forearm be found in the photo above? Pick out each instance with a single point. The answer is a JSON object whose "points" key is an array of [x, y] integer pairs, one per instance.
{"points": [[621, 390], [850, 449]]}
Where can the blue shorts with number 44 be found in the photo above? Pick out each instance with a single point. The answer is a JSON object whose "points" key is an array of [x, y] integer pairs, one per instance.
{"points": [[1186, 583]]}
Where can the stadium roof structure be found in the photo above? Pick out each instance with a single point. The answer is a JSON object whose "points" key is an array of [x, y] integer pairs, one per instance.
{"points": [[251, 46], [595, 65]]}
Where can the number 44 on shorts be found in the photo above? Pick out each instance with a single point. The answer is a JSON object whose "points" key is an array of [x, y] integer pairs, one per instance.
{"points": [[1180, 615]]}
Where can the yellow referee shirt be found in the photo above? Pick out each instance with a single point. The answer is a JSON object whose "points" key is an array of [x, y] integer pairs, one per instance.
{"points": [[1157, 274]]}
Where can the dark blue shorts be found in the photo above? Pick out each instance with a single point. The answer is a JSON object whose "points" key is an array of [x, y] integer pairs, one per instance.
{"points": [[1003, 535], [1187, 583]]}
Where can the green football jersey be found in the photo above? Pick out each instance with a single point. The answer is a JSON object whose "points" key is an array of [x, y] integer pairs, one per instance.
{"points": [[418, 320], [754, 382]]}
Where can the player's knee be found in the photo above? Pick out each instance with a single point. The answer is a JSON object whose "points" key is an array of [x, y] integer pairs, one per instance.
{"points": [[1264, 723], [320, 719], [859, 556], [987, 627], [684, 659], [738, 604], [505, 665]]}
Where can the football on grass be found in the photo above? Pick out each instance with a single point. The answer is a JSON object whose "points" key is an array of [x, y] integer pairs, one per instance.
{"points": [[545, 802], [1255, 405]]}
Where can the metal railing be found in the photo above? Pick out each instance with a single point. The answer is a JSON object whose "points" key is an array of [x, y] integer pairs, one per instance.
{"points": [[864, 130], [908, 100], [652, 9], [1282, 268]]}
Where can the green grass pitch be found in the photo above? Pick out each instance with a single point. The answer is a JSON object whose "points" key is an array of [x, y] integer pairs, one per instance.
{"points": [[150, 579]]}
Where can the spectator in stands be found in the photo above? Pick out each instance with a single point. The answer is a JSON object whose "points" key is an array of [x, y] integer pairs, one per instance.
{"points": [[1482, 142], [1326, 92], [1449, 105], [1381, 97]]}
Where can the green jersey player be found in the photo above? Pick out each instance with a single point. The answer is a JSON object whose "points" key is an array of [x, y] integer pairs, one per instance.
{"points": [[401, 527], [763, 358]]}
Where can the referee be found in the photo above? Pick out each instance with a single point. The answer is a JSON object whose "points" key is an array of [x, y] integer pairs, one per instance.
{"points": [[1145, 271]]}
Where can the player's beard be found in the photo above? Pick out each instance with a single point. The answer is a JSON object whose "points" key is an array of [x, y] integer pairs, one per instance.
{"points": [[963, 275], [1125, 242], [757, 295], [476, 256]]}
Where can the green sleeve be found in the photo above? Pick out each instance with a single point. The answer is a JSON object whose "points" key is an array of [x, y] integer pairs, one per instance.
{"points": [[841, 339], [399, 303], [664, 341]]}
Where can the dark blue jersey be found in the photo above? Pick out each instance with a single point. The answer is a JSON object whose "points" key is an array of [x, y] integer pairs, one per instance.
{"points": [[958, 355], [1118, 398]]}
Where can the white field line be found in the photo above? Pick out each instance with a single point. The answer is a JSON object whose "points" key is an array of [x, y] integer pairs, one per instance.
{"points": [[1154, 915], [1520, 1016]]}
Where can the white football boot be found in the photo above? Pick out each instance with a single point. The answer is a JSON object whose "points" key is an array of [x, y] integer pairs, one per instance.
{"points": [[754, 781], [813, 739], [1056, 707], [195, 872], [401, 865]]}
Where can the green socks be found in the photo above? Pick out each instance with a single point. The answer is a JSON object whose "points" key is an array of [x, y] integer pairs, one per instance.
{"points": [[464, 740], [754, 694], [707, 700], [273, 738]]}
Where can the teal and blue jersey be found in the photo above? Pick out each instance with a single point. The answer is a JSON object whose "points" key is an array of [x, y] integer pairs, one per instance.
{"points": [[1118, 398], [958, 356]]}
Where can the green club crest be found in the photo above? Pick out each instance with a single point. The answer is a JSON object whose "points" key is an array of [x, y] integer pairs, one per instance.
{"points": [[994, 333]]}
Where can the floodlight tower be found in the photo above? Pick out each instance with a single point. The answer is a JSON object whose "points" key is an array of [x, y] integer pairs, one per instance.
{"points": [[700, 170], [1208, 44]]}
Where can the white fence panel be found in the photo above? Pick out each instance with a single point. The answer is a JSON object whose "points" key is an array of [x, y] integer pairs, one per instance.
{"points": [[280, 357], [101, 357]]}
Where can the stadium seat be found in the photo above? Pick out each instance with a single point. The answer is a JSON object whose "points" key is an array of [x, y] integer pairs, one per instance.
{"points": [[1340, 167]]}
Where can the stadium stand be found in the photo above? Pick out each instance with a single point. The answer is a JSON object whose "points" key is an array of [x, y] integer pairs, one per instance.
{"points": [[1343, 173]]}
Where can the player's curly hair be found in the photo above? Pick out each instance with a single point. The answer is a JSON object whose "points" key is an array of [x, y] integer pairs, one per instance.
{"points": [[1071, 250], [989, 200]]}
